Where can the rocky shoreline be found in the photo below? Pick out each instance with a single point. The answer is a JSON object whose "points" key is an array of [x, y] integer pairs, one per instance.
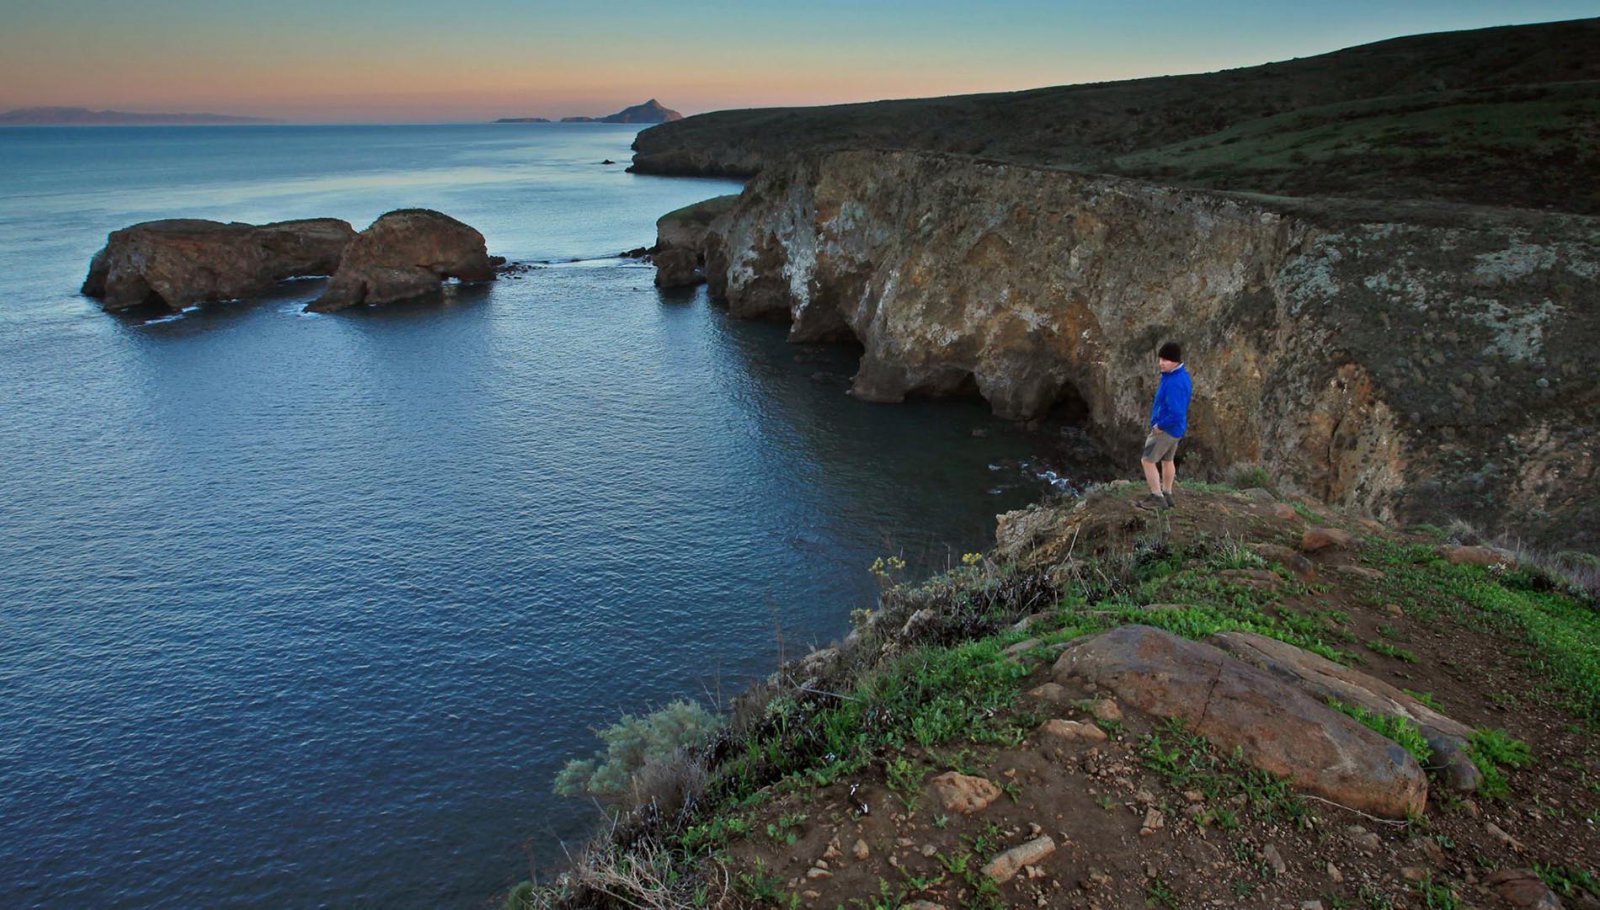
{"points": [[1417, 362]]}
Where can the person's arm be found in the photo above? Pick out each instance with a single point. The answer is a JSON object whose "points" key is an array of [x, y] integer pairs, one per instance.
{"points": [[1160, 411]]}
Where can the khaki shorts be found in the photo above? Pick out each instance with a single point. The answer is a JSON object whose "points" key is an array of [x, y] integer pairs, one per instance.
{"points": [[1158, 446]]}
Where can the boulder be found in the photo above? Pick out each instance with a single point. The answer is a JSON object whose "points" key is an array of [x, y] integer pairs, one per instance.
{"points": [[962, 793], [1276, 727], [1478, 556], [1072, 731], [1325, 680], [1523, 888], [181, 262], [678, 268], [405, 253], [1317, 539], [1004, 868]]}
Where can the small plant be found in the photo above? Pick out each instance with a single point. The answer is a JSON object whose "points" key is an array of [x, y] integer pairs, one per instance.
{"points": [[1568, 881], [887, 569], [613, 775], [1161, 893], [1251, 477], [1400, 729], [1388, 650], [1436, 896], [786, 829], [1426, 698], [1492, 751], [762, 887], [905, 778], [1375, 898]]}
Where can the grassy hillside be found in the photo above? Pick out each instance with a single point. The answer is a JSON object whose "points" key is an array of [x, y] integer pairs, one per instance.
{"points": [[820, 791], [1439, 102]]}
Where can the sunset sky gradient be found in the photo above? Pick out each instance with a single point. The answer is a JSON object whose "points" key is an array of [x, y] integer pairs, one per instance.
{"points": [[406, 60]]}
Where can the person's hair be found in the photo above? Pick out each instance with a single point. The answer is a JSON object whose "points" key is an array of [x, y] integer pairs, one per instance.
{"points": [[1171, 351]]}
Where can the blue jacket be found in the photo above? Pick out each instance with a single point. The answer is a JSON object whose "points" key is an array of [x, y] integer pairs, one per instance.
{"points": [[1171, 410]]}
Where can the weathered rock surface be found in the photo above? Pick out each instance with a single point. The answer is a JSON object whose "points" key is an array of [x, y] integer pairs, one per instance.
{"points": [[405, 253], [680, 237], [1324, 679], [1316, 540], [963, 793], [1276, 726], [1523, 888], [1419, 362], [181, 262], [1004, 868]]}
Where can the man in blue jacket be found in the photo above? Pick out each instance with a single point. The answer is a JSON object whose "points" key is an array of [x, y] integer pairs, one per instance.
{"points": [[1169, 420]]}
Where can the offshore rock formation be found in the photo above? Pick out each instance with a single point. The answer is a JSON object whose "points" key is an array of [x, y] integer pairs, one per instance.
{"points": [[405, 253], [1418, 361], [181, 262]]}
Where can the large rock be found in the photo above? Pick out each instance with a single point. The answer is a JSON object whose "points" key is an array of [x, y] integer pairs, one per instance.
{"points": [[1277, 727], [680, 236], [1325, 680], [181, 262], [1409, 361], [405, 253]]}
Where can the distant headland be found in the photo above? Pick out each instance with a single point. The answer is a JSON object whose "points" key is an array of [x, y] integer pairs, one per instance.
{"points": [[649, 112], [82, 116]]}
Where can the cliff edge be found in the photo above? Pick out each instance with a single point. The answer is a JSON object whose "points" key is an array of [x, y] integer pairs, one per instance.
{"points": [[1412, 361]]}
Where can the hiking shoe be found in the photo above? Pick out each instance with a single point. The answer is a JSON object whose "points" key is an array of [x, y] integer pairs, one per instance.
{"points": [[1171, 503], [1153, 501]]}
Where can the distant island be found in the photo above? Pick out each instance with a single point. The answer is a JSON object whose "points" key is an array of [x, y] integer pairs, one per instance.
{"points": [[649, 112], [82, 116]]}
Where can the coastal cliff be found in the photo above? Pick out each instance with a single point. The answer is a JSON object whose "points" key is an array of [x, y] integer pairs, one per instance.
{"points": [[1498, 116], [1409, 361]]}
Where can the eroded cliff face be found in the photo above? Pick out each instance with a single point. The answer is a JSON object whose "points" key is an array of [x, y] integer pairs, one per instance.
{"points": [[1416, 362]]}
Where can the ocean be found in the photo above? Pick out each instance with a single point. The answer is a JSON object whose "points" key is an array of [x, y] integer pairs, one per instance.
{"points": [[308, 611]]}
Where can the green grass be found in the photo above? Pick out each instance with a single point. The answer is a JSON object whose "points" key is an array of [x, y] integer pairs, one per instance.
{"points": [[1394, 651], [1569, 881], [1400, 729], [1493, 751], [1436, 895], [1562, 630]]}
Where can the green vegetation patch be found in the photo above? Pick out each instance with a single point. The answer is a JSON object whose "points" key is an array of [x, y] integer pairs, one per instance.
{"points": [[1400, 729], [1562, 629], [1198, 599], [1493, 751], [631, 743]]}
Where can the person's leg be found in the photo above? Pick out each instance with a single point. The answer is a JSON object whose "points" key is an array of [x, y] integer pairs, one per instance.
{"points": [[1151, 475], [1169, 476]]}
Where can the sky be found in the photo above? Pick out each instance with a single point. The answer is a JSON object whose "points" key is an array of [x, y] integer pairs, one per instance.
{"points": [[411, 61]]}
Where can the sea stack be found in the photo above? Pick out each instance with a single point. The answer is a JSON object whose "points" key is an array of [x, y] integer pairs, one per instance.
{"points": [[405, 253], [181, 262]]}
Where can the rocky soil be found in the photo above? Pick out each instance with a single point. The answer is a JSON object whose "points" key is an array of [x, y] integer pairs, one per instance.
{"points": [[1116, 777]]}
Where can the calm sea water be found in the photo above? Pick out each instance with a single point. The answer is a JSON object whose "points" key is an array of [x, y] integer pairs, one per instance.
{"points": [[302, 611]]}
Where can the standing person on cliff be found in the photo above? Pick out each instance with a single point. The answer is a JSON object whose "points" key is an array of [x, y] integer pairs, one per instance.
{"points": [[1169, 420]]}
